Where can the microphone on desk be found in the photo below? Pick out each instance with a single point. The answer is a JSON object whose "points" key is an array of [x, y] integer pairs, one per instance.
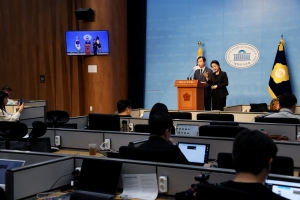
{"points": [[189, 76]]}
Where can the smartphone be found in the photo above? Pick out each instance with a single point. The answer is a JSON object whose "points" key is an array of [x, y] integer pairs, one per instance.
{"points": [[20, 102]]}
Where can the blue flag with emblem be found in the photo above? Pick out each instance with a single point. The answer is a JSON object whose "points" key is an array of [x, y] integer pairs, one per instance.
{"points": [[279, 82]]}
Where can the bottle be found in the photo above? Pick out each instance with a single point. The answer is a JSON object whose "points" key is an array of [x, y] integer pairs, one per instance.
{"points": [[263, 130], [124, 125]]}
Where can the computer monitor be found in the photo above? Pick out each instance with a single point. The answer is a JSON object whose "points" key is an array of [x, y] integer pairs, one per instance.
{"points": [[195, 153], [107, 122], [146, 114], [289, 190], [6, 164]]}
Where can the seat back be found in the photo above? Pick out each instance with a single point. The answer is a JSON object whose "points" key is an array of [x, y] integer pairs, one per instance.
{"points": [[180, 115], [12, 130], [56, 117], [216, 117], [148, 154], [38, 130], [219, 130], [281, 164], [258, 107], [277, 120]]}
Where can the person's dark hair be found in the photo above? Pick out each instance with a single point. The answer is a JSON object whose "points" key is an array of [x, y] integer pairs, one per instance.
{"points": [[122, 105], [252, 151], [287, 100], [216, 62], [203, 58], [159, 123], [157, 108], [3, 95], [6, 89]]}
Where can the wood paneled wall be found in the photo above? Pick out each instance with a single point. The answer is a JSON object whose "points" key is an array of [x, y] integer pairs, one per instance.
{"points": [[33, 43]]}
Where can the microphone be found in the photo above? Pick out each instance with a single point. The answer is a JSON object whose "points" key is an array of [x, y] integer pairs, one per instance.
{"points": [[190, 78]]}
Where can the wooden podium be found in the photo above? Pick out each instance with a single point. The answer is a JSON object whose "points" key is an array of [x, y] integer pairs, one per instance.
{"points": [[190, 94]]}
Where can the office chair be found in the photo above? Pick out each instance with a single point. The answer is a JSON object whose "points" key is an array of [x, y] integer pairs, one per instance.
{"points": [[220, 130], [216, 117], [258, 107], [144, 128], [12, 131], [39, 144], [281, 164], [180, 115], [56, 117], [277, 120]]}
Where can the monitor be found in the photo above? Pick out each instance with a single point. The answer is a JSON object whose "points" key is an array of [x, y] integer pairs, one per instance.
{"points": [[8, 164], [107, 122], [146, 114], [289, 190], [92, 42], [195, 153]]}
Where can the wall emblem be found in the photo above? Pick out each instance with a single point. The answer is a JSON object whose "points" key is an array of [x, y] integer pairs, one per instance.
{"points": [[242, 55]]}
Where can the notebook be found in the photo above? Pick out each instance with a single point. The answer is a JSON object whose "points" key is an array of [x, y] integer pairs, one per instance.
{"points": [[289, 190], [195, 153], [187, 130], [8, 164], [98, 179], [146, 114]]}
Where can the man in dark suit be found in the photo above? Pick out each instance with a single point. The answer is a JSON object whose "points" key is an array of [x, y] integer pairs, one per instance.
{"points": [[198, 75]]}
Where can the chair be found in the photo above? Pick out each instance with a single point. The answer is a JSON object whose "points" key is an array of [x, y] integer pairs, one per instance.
{"points": [[39, 144], [144, 128], [277, 120], [137, 143], [227, 123], [281, 164], [180, 115], [215, 117], [147, 154], [219, 130], [56, 117], [258, 107], [12, 131]]}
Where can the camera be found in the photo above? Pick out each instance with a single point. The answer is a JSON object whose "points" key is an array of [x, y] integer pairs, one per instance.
{"points": [[20, 102]]}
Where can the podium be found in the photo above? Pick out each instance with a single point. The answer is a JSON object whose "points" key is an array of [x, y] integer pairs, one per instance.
{"points": [[190, 94]]}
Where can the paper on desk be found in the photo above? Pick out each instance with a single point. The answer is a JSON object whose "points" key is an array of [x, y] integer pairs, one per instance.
{"points": [[142, 186]]}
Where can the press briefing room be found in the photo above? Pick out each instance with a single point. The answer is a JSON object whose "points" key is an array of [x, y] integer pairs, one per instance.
{"points": [[149, 99]]}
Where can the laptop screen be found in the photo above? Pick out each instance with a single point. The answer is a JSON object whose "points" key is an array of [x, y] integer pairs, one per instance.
{"points": [[187, 129], [146, 114], [8, 164], [195, 153], [101, 176], [289, 190]]}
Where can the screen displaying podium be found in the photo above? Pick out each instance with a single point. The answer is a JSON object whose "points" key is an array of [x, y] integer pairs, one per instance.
{"points": [[190, 94]]}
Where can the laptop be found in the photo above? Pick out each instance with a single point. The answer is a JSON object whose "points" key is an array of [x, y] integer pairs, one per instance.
{"points": [[195, 153], [289, 190], [98, 179], [187, 130], [8, 164], [146, 114]]}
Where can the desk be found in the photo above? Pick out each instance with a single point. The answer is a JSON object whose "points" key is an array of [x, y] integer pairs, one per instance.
{"points": [[77, 152]]}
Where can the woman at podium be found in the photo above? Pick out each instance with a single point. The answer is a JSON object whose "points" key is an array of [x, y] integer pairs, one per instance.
{"points": [[218, 82]]}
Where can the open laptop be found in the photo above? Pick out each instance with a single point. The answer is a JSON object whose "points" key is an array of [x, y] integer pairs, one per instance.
{"points": [[289, 190], [195, 153], [187, 130], [146, 114], [98, 179], [8, 164]]}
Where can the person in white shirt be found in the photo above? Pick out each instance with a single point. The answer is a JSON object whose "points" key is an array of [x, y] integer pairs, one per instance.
{"points": [[287, 103], [4, 115], [8, 91]]}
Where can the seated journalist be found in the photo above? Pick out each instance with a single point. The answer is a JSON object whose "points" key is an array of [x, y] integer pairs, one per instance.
{"points": [[253, 153], [287, 103], [124, 108], [8, 90], [160, 125], [4, 115]]}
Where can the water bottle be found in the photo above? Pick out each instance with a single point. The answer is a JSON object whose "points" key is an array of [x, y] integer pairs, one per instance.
{"points": [[124, 125]]}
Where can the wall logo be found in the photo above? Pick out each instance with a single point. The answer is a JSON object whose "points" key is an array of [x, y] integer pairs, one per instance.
{"points": [[242, 55]]}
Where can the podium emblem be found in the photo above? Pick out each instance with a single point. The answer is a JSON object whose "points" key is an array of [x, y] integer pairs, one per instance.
{"points": [[186, 97]]}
